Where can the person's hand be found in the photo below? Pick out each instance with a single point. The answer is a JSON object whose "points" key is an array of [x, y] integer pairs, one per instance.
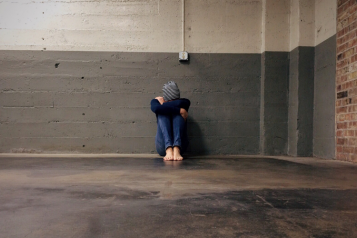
{"points": [[160, 99], [184, 113]]}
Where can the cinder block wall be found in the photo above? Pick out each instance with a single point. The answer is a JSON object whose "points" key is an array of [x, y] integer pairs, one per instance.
{"points": [[79, 76], [346, 82]]}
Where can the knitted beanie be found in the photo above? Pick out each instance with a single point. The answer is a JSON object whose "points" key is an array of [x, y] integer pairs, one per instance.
{"points": [[171, 91]]}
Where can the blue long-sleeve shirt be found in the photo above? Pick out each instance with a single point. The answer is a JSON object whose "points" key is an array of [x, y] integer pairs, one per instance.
{"points": [[172, 107]]}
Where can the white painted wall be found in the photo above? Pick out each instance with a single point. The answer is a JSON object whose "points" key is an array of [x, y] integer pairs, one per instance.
{"points": [[276, 25], [302, 23], [130, 25], [325, 19], [225, 26], [217, 26], [212, 26], [307, 23], [294, 24]]}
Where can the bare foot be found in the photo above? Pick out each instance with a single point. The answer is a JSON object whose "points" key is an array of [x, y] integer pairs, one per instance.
{"points": [[169, 154], [177, 154]]}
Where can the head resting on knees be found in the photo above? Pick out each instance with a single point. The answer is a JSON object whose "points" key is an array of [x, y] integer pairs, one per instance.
{"points": [[171, 91]]}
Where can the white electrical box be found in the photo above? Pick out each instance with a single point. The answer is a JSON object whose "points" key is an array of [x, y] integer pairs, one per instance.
{"points": [[183, 56]]}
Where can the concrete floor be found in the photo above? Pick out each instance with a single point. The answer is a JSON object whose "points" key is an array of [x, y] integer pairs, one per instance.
{"points": [[198, 197]]}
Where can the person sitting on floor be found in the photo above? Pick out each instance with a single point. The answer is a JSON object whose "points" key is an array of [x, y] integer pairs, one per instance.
{"points": [[171, 112]]}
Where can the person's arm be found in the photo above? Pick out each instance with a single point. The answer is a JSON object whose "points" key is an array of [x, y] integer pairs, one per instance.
{"points": [[184, 103], [183, 113], [165, 108]]}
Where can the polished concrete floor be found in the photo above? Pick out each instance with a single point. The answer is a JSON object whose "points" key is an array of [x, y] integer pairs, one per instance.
{"points": [[198, 197]]}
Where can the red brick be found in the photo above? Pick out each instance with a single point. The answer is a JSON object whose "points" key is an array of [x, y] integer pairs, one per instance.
{"points": [[346, 80], [341, 10], [352, 17], [354, 100], [354, 117], [348, 157], [350, 9], [349, 133], [352, 91], [352, 43], [352, 125], [340, 133], [341, 141], [341, 2], [342, 16], [348, 150], [353, 67], [352, 142], [351, 76], [341, 110], [354, 158], [343, 63], [339, 72], [342, 48], [342, 125], [349, 53], [341, 117], [351, 35], [340, 33], [348, 117], [354, 58], [344, 102], [345, 70], [341, 156], [351, 27]]}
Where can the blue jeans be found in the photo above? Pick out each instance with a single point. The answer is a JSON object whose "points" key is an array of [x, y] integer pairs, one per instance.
{"points": [[171, 131]]}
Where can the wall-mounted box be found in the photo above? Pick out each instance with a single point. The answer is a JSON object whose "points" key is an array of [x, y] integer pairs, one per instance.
{"points": [[183, 56]]}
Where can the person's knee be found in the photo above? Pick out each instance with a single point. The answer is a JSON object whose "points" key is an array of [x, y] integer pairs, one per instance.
{"points": [[163, 117], [179, 121]]}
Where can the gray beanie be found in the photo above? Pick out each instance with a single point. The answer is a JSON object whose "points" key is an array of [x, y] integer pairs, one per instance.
{"points": [[171, 91]]}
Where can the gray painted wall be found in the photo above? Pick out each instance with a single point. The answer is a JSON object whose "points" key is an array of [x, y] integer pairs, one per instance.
{"points": [[274, 103], [301, 96], [324, 99], [98, 102], [293, 101]]}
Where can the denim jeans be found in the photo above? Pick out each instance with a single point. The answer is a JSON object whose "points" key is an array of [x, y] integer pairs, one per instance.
{"points": [[171, 131]]}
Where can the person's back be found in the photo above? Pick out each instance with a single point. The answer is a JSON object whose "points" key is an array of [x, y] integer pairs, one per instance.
{"points": [[171, 112]]}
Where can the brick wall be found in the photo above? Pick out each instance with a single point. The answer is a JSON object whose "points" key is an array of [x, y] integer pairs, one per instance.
{"points": [[346, 81]]}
